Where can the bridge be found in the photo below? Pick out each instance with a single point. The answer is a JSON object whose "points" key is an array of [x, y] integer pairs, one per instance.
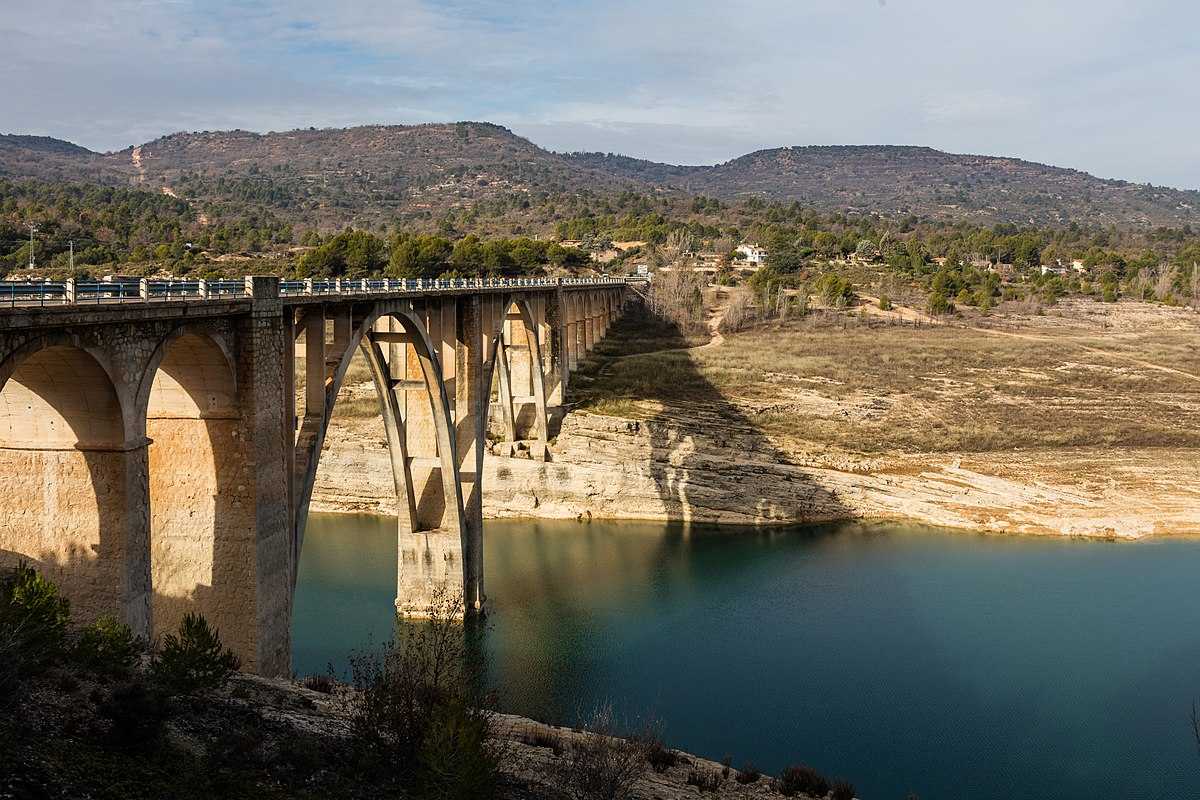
{"points": [[159, 440]]}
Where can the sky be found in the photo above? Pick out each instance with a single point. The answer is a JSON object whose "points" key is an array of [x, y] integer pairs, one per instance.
{"points": [[1108, 86]]}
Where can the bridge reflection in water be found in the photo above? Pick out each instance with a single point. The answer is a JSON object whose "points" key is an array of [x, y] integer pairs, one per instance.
{"points": [[156, 456]]}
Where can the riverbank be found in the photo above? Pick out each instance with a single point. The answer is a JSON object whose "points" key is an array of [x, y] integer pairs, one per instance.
{"points": [[1080, 422], [264, 738]]}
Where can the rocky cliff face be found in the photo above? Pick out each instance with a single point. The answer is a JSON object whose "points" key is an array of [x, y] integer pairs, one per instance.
{"points": [[712, 469]]}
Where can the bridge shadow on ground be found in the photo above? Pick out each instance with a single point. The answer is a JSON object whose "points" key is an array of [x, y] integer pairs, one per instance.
{"points": [[709, 461]]}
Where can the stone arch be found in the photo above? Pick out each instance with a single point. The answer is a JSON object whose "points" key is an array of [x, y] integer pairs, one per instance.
{"points": [[498, 362], [67, 466], [200, 488]]}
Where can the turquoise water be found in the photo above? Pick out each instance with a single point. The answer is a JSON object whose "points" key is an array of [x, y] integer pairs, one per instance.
{"points": [[905, 659]]}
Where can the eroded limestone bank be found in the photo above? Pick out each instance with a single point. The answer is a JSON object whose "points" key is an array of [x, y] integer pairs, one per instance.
{"points": [[710, 469]]}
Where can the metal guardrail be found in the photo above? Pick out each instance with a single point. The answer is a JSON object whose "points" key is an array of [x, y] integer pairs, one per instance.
{"points": [[70, 292]]}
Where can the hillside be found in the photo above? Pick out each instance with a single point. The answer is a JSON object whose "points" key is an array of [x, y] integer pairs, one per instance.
{"points": [[381, 174], [365, 174], [49, 159], [926, 182]]}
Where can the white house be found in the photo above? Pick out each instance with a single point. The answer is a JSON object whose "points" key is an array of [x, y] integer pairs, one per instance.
{"points": [[754, 255]]}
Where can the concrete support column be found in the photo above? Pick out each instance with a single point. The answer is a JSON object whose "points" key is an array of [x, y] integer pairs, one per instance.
{"points": [[261, 388], [422, 433], [471, 415], [589, 322], [557, 358]]}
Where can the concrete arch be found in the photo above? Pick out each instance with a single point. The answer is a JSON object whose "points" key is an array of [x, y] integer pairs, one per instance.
{"points": [[498, 359], [69, 471], [200, 488], [194, 366], [314, 426], [56, 392]]}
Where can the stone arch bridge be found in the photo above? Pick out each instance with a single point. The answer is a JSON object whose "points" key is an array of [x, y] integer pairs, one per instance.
{"points": [[159, 441]]}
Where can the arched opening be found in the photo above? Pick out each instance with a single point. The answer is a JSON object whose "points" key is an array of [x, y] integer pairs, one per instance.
{"points": [[201, 491], [394, 366], [64, 463], [517, 387]]}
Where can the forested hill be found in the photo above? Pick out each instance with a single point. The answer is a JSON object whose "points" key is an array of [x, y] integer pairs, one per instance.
{"points": [[929, 183], [371, 175]]}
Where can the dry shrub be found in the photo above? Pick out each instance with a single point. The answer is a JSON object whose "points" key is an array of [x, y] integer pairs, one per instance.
{"points": [[678, 296], [420, 709], [738, 314], [600, 765]]}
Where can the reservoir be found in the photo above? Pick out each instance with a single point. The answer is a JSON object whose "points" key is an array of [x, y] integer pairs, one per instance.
{"points": [[902, 658]]}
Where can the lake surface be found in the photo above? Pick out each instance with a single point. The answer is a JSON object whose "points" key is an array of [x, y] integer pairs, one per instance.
{"points": [[902, 658]]}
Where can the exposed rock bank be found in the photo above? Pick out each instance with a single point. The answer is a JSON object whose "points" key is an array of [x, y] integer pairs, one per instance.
{"points": [[706, 468]]}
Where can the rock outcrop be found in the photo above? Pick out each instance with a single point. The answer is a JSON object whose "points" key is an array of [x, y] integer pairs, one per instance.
{"points": [[705, 468]]}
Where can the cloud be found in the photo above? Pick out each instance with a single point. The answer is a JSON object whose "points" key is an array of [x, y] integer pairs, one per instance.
{"points": [[1103, 85]]}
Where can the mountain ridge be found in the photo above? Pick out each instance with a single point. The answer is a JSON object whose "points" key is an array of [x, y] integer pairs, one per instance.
{"points": [[344, 175]]}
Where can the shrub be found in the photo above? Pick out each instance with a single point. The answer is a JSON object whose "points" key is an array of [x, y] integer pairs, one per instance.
{"points": [[834, 290], [456, 760], [885, 302], [659, 757], [748, 773], [404, 690], [706, 780], [319, 683], [546, 739], [939, 304], [33, 626], [194, 660], [843, 790], [802, 779], [600, 765], [138, 713], [108, 647]]}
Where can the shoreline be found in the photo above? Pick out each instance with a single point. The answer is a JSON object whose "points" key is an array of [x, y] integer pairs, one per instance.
{"points": [[614, 469]]}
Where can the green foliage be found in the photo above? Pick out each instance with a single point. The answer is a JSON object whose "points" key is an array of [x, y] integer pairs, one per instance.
{"points": [[33, 626], [108, 647], [456, 759], [349, 254], [834, 290], [422, 693], [939, 304], [885, 302], [418, 256], [194, 660]]}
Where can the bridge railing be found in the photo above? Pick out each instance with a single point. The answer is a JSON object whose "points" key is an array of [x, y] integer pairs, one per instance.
{"points": [[71, 292]]}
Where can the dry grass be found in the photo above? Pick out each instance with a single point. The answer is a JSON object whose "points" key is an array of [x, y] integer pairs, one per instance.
{"points": [[860, 384]]}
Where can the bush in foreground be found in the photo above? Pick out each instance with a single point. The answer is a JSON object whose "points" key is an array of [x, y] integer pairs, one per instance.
{"points": [[419, 712], [601, 765], [33, 627], [802, 779], [108, 647], [843, 790], [194, 660]]}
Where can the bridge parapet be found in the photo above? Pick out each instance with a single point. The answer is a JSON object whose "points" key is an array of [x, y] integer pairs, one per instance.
{"points": [[71, 292]]}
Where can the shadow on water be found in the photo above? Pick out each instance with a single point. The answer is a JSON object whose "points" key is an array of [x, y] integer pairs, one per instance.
{"points": [[710, 461]]}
